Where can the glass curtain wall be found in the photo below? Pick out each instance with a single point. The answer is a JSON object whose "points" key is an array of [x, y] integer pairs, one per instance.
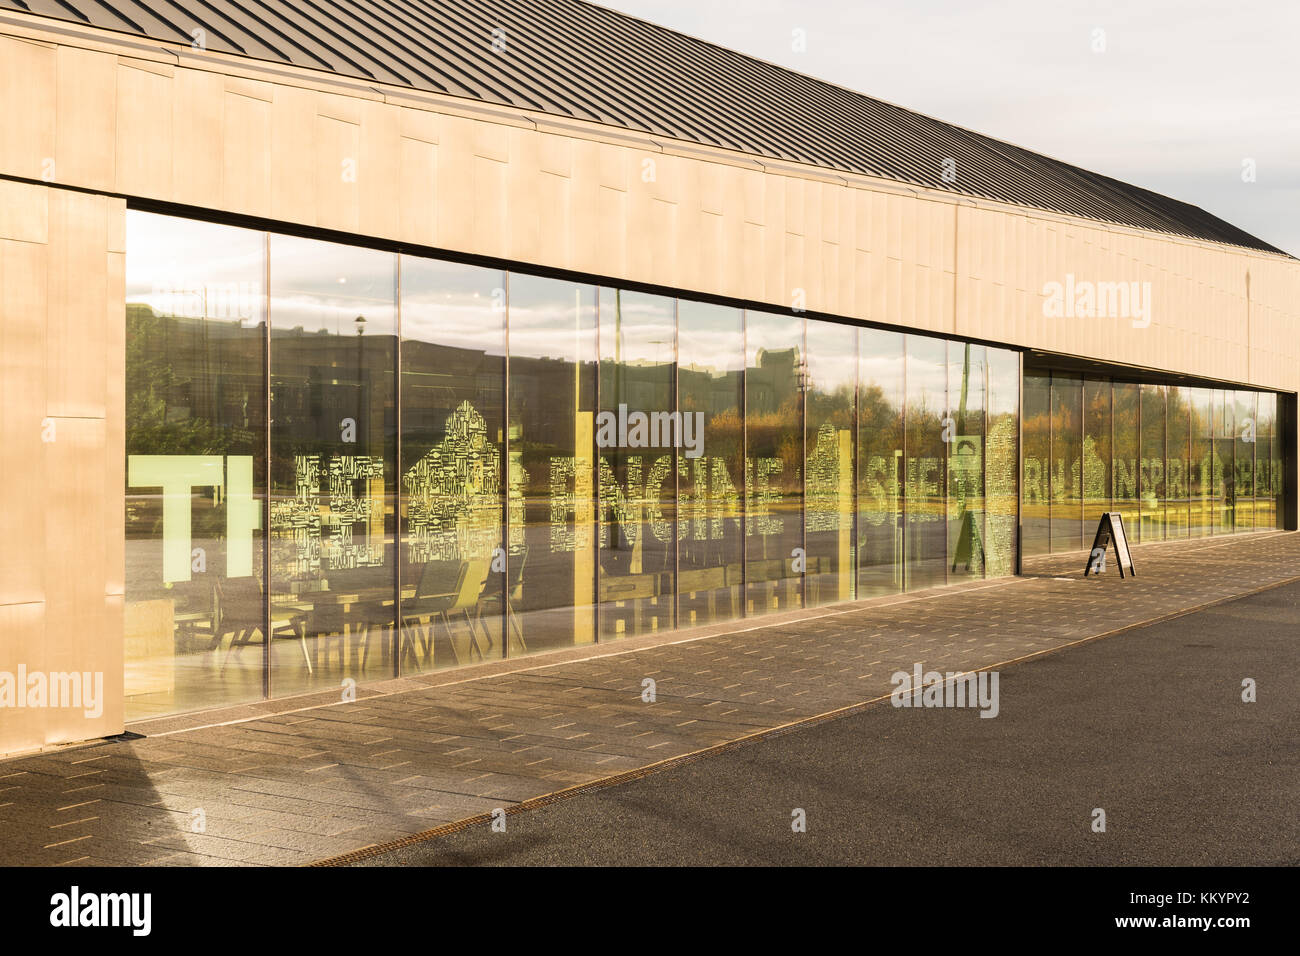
{"points": [[1224, 487], [966, 442], [333, 463], [452, 464], [1097, 458], [929, 426], [1036, 511], [828, 440], [1151, 472], [636, 429], [1199, 472], [1066, 479], [1174, 462], [1247, 440], [196, 464], [711, 474], [552, 464], [1002, 463], [880, 462], [775, 379], [1177, 468], [346, 464], [1126, 438], [1266, 465]]}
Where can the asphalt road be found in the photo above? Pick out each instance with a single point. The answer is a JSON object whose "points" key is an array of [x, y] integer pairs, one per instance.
{"points": [[1148, 725]]}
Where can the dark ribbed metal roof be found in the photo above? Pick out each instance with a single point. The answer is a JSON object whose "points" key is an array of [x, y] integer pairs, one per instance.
{"points": [[570, 58]]}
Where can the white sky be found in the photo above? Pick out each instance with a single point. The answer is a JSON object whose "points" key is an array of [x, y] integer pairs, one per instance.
{"points": [[1184, 93]]}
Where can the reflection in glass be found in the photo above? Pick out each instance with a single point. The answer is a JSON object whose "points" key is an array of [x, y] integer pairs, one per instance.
{"points": [[1222, 466], [1177, 433], [1125, 399], [828, 440], [710, 466], [1067, 462], [195, 464], [927, 409], [1096, 453], [453, 376], [1002, 462], [966, 441], [774, 467], [1036, 510], [656, 461], [1199, 480], [552, 462], [1266, 464], [333, 462], [880, 462], [1151, 477], [1247, 437], [637, 476]]}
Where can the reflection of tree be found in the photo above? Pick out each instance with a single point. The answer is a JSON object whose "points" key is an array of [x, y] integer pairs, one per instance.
{"points": [[163, 378], [779, 435], [158, 421]]}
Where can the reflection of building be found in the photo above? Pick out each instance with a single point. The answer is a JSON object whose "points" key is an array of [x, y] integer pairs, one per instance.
{"points": [[323, 339]]}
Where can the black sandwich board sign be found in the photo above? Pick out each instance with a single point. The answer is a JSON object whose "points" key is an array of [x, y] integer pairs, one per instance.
{"points": [[1110, 530], [969, 543]]}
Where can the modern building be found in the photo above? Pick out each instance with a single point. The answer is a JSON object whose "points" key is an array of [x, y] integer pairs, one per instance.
{"points": [[343, 342]]}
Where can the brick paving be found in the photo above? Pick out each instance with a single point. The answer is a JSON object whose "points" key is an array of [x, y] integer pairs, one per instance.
{"points": [[290, 782]]}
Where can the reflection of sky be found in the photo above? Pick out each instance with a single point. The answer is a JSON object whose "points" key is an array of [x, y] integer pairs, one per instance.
{"points": [[637, 328], [710, 337], [832, 356], [927, 370], [448, 303], [324, 286], [551, 318], [772, 331], [170, 261]]}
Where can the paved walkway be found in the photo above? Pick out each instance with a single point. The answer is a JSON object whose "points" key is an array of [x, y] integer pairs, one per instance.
{"points": [[327, 779]]}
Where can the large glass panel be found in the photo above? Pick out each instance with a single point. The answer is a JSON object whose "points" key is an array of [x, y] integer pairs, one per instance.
{"points": [[1096, 454], [1199, 473], [638, 553], [710, 465], [1036, 510], [195, 464], [880, 462], [1266, 464], [832, 383], [927, 453], [1067, 462], [965, 441], [1002, 462], [1151, 477], [1282, 439], [1177, 434], [774, 384], [333, 463], [552, 463], [1247, 435], [1222, 465], [452, 487], [1127, 457]]}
